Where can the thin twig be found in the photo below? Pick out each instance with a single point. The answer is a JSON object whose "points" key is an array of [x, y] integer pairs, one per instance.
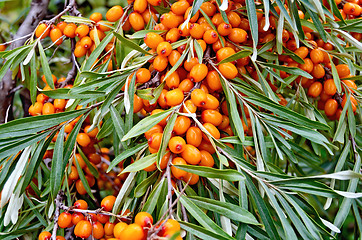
{"points": [[183, 210], [58, 203]]}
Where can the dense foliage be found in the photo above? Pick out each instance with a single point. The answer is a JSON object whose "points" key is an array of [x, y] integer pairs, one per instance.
{"points": [[153, 119]]}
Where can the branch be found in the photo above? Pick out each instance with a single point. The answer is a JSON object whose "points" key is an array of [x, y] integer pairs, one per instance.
{"points": [[58, 204], [37, 12]]}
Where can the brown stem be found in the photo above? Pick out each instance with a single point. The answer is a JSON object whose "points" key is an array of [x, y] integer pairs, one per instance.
{"points": [[38, 9], [58, 204], [183, 210]]}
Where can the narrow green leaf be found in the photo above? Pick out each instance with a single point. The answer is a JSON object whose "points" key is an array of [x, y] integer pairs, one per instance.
{"points": [[226, 174], [130, 44], [236, 56], [201, 232], [143, 186], [45, 65], [141, 163], [57, 170]]}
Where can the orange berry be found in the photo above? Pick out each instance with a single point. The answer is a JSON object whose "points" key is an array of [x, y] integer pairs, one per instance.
{"points": [[180, 7], [82, 31], [211, 116], [353, 102], [198, 97], [330, 107], [194, 136], [81, 204], [92, 133], [160, 63], [56, 36], [118, 228], [45, 235], [96, 16], [189, 107], [343, 70], [176, 144], [114, 13], [318, 71], [59, 104], [307, 66], [140, 6], [164, 49], [211, 102], [213, 80], [228, 70], [136, 21], [73, 175], [206, 159], [137, 104], [192, 179], [79, 51], [198, 72], [213, 131], [210, 36], [155, 140], [69, 30], [317, 56], [238, 35], [174, 97], [329, 87], [178, 173], [80, 161], [64, 219], [172, 35], [143, 75], [152, 40], [98, 230], [86, 42], [169, 20], [104, 26], [80, 187], [182, 124], [186, 85], [191, 154], [83, 139], [315, 89], [108, 228], [144, 219], [77, 217], [83, 229], [36, 109], [108, 202], [42, 30], [48, 108], [224, 53], [224, 29], [350, 84], [132, 231]]}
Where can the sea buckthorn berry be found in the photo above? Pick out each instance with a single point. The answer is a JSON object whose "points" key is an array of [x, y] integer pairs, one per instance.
{"points": [[79, 51], [174, 97], [41, 98], [186, 85], [191, 154], [114, 13], [152, 40], [180, 7], [42, 30], [317, 56], [154, 2], [155, 140], [198, 72], [228, 70], [353, 102], [329, 87], [198, 97], [197, 31], [118, 228], [194, 18], [83, 139], [210, 36], [207, 146], [96, 17], [194, 136], [92, 133], [73, 175], [350, 84], [64, 219], [349, 8], [94, 158], [315, 89], [108, 202], [77, 217], [343, 70], [132, 231], [174, 57], [211, 116], [224, 53], [98, 230], [48, 108], [80, 187], [136, 21], [56, 36], [144, 219], [83, 229], [143, 75], [69, 30], [178, 173], [318, 71], [36, 109], [188, 65], [164, 49], [307, 66], [224, 29], [172, 35], [161, 99], [82, 31], [54, 78], [140, 6], [104, 26], [206, 159], [137, 104], [208, 8], [330, 107], [169, 20], [212, 130], [302, 52], [81, 163], [108, 228], [45, 235], [176, 144], [238, 35], [171, 225], [234, 19], [81, 204], [59, 104], [192, 179], [189, 107], [184, 30], [182, 124], [59, 238], [160, 63], [86, 42]]}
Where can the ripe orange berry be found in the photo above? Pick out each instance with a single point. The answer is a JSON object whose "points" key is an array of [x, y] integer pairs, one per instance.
{"points": [[81, 204], [343, 70], [174, 57], [118, 228], [69, 30], [315, 89], [104, 26], [144, 219], [114, 13], [194, 18], [92, 133], [329, 87], [307, 66], [42, 98], [80, 187], [64, 219], [206, 159], [108, 228], [353, 102], [160, 63], [176, 144], [82, 31], [197, 31], [59, 104], [83, 229], [86, 42], [213, 80], [42, 30], [174, 97], [192, 179], [164, 49], [228, 70], [152, 40], [198, 72], [132, 231], [77, 217], [143, 75], [108, 202], [213, 131], [79, 51], [169, 20], [171, 225], [302, 52], [83, 139], [224, 53], [211, 116], [48, 108], [56, 36], [186, 85], [182, 124], [318, 71], [198, 97], [36, 109], [224, 29], [191, 154], [73, 175], [137, 104], [178, 173], [317, 56], [350, 84], [210, 36], [238, 35], [59, 238], [330, 107], [98, 230], [80, 161], [180, 7], [140, 6], [172, 35], [194, 136], [45, 235], [96, 17], [155, 140], [136, 21]]}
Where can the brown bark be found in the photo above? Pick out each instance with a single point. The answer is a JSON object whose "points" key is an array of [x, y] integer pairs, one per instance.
{"points": [[37, 12]]}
